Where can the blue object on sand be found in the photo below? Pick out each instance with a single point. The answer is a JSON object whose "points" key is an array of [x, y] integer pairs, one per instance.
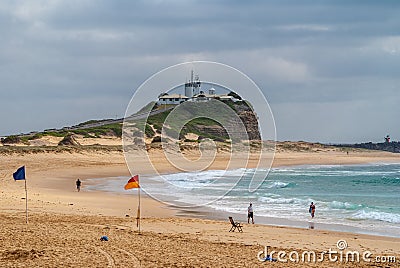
{"points": [[104, 238], [268, 258]]}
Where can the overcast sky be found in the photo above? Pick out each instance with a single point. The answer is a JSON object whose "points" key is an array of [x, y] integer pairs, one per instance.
{"points": [[329, 69]]}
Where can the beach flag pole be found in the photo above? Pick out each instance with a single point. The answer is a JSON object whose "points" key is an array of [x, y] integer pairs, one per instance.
{"points": [[138, 212], [26, 202], [134, 183], [18, 176]]}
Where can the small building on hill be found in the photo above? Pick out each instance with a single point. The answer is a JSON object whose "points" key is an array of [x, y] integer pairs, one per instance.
{"points": [[194, 93], [174, 99]]}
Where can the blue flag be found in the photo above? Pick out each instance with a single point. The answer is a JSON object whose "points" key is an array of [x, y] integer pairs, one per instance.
{"points": [[19, 174]]}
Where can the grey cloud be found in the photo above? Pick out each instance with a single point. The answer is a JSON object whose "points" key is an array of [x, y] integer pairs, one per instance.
{"points": [[72, 55]]}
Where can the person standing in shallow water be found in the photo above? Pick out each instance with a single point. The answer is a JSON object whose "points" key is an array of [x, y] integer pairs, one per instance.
{"points": [[250, 214], [312, 209], [78, 185]]}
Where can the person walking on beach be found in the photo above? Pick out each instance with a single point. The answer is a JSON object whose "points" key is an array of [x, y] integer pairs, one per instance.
{"points": [[250, 214], [78, 185], [312, 209]]}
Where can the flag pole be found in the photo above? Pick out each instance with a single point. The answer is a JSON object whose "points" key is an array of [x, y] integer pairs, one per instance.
{"points": [[134, 183], [138, 213], [26, 202], [18, 175]]}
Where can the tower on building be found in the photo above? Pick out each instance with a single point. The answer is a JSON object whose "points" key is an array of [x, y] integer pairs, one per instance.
{"points": [[193, 86]]}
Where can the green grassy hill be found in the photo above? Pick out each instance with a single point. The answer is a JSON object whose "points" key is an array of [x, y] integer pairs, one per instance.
{"points": [[201, 126]]}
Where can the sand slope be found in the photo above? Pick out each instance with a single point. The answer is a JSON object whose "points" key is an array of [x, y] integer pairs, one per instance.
{"points": [[52, 240]]}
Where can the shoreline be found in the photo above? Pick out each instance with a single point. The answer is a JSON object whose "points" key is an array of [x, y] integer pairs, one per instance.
{"points": [[212, 214], [204, 212]]}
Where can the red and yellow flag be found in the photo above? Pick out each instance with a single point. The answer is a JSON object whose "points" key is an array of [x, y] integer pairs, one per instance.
{"points": [[132, 183]]}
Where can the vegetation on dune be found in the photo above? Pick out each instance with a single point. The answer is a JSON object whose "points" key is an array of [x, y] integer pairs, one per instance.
{"points": [[11, 139], [36, 136], [55, 133], [14, 139], [93, 132], [105, 130], [9, 150], [90, 122], [149, 131]]}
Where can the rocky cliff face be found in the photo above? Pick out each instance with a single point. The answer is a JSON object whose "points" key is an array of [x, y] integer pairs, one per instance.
{"points": [[250, 122]]}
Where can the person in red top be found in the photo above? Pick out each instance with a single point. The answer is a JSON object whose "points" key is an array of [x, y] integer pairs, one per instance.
{"points": [[312, 209]]}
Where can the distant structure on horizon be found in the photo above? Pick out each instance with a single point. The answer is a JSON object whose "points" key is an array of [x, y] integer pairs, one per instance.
{"points": [[193, 93]]}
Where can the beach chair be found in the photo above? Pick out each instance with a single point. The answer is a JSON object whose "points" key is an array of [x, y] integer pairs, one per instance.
{"points": [[235, 225]]}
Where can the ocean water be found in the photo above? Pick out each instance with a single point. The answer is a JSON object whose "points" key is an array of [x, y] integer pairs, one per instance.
{"points": [[361, 198]]}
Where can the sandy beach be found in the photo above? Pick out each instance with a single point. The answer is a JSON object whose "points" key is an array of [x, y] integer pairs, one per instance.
{"points": [[65, 226]]}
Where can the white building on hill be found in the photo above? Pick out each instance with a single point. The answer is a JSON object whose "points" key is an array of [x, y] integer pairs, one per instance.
{"points": [[172, 99], [194, 93]]}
